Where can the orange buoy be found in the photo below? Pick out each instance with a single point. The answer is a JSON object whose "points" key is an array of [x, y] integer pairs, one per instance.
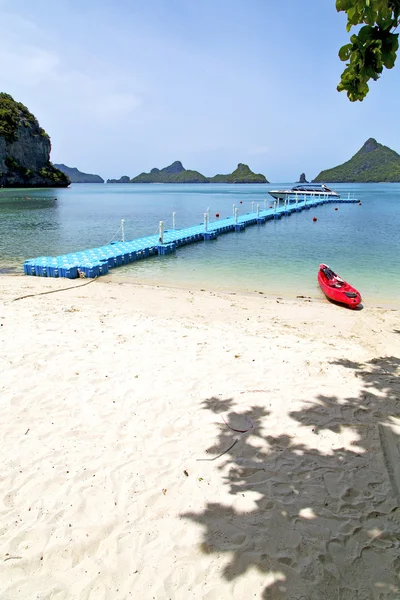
{"points": [[217, 215], [315, 218]]}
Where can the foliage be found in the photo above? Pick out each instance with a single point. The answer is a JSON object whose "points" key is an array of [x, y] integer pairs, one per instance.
{"points": [[372, 163], [14, 165], [54, 176], [372, 48], [12, 114]]}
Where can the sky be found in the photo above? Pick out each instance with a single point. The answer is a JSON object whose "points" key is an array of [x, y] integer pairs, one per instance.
{"points": [[122, 86]]}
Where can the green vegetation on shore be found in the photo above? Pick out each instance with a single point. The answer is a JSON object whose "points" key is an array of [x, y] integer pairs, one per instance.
{"points": [[12, 114], [25, 149], [372, 163]]}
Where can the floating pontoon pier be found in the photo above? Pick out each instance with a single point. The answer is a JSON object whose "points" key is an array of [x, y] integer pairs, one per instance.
{"points": [[98, 261]]}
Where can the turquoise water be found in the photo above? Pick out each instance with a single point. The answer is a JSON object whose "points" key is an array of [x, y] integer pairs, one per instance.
{"points": [[362, 243]]}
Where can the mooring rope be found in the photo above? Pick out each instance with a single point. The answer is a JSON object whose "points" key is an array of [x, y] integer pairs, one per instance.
{"points": [[71, 287]]}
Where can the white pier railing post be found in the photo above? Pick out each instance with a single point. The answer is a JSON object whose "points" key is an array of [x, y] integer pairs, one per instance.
{"points": [[265, 204], [233, 209], [284, 205], [161, 232], [173, 221], [122, 229], [236, 215], [258, 211], [205, 221], [274, 206], [252, 207]]}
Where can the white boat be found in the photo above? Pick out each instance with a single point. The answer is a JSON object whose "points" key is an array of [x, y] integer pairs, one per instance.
{"points": [[301, 190]]}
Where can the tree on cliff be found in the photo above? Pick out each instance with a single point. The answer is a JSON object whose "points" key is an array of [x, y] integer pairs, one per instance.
{"points": [[25, 149], [372, 48]]}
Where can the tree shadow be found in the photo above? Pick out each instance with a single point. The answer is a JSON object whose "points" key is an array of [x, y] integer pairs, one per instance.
{"points": [[324, 518]]}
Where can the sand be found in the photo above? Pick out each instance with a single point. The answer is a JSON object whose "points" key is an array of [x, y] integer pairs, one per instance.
{"points": [[165, 443]]}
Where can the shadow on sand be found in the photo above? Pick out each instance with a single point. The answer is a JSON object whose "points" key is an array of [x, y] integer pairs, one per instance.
{"points": [[326, 525]]}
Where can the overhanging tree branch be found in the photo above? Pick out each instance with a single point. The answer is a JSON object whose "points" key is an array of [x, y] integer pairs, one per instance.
{"points": [[373, 48]]}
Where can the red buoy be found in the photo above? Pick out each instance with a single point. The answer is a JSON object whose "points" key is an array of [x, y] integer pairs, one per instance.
{"points": [[217, 215], [315, 218], [241, 202], [335, 208], [270, 206], [360, 204]]}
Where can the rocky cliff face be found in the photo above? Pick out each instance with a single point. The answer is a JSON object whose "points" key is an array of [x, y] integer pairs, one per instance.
{"points": [[25, 149], [302, 178]]}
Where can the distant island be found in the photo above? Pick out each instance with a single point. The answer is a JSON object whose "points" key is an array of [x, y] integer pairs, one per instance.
{"points": [[25, 149], [302, 179], [123, 179], [176, 173], [242, 174], [372, 163], [77, 176]]}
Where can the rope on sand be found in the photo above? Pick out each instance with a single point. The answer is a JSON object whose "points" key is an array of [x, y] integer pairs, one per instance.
{"points": [[71, 287]]}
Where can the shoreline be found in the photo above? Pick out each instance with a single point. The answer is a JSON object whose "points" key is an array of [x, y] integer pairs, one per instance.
{"points": [[175, 443], [285, 295]]}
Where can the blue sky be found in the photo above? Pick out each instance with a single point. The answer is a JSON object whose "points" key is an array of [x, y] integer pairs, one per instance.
{"points": [[122, 86]]}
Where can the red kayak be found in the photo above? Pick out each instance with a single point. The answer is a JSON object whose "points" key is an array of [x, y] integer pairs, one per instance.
{"points": [[335, 288]]}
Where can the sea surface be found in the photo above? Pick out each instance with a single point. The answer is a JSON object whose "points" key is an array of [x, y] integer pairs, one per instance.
{"points": [[281, 258]]}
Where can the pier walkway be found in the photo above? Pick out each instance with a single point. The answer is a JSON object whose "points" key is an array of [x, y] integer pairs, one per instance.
{"points": [[98, 261]]}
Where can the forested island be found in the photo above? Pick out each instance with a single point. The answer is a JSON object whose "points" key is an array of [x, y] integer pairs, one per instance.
{"points": [[176, 173], [25, 149], [123, 179], [77, 176], [372, 163]]}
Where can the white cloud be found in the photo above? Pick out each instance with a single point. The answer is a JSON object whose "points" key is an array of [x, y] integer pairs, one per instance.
{"points": [[28, 66]]}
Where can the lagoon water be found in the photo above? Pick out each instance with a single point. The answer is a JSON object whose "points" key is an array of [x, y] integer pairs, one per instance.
{"points": [[361, 243]]}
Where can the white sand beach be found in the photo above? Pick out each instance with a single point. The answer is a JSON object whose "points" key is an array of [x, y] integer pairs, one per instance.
{"points": [[161, 443]]}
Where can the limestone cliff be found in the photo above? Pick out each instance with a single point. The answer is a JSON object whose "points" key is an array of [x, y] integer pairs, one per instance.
{"points": [[25, 149], [302, 178]]}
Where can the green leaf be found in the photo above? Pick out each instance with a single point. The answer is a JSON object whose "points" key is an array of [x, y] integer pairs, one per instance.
{"points": [[344, 52]]}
